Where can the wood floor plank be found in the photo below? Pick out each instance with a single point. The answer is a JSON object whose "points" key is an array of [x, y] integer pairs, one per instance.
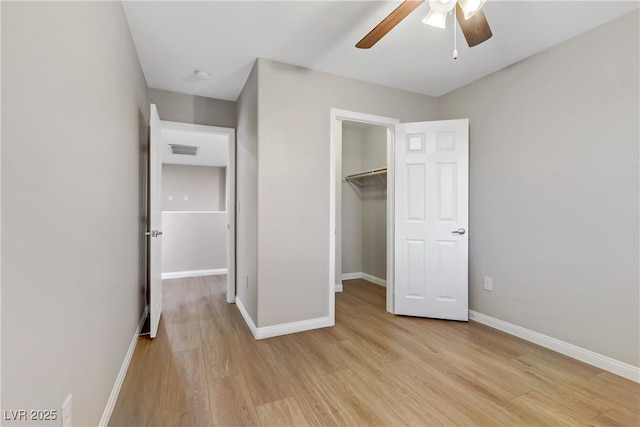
{"points": [[377, 347], [187, 392], [365, 396], [496, 381], [492, 377], [186, 336], [549, 410], [372, 368], [218, 357], [375, 297], [615, 384], [142, 397], [260, 370], [565, 363], [316, 349], [186, 312], [320, 404], [230, 402], [407, 403], [614, 418], [285, 412], [437, 402], [351, 391], [554, 377]]}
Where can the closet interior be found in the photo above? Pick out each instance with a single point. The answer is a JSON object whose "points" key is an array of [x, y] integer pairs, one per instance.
{"points": [[364, 202]]}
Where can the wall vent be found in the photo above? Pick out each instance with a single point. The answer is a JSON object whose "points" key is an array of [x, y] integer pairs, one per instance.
{"points": [[185, 150]]}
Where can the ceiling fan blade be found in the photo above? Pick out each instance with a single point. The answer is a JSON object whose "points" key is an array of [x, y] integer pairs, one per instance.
{"points": [[475, 29], [388, 23]]}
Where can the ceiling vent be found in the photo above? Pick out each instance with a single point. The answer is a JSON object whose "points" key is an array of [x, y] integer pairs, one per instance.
{"points": [[185, 150]]}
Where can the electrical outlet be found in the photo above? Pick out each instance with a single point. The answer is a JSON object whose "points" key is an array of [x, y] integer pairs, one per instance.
{"points": [[65, 415], [488, 284], [246, 281]]}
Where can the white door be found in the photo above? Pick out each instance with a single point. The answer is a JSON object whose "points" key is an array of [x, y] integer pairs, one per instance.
{"points": [[431, 219], [155, 220]]}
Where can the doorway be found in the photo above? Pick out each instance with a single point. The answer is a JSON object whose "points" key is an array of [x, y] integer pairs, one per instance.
{"points": [[363, 215], [427, 186], [198, 192], [186, 139], [362, 122]]}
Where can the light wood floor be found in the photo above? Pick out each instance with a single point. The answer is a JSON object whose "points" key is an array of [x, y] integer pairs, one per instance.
{"points": [[372, 368]]}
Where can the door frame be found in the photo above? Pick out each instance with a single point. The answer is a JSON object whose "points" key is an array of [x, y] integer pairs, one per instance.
{"points": [[230, 196], [335, 194]]}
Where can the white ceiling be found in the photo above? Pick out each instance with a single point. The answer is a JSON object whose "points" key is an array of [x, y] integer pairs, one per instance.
{"points": [[173, 39], [213, 147]]}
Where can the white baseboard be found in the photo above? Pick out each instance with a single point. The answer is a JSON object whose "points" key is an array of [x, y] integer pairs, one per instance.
{"points": [[373, 279], [292, 327], [245, 314], [194, 273], [115, 391], [582, 354], [368, 277], [282, 329], [338, 287]]}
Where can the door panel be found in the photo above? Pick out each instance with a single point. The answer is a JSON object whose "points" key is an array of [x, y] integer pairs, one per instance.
{"points": [[416, 192], [431, 191], [155, 220], [415, 265]]}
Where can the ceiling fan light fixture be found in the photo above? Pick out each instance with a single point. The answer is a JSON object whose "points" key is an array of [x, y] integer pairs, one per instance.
{"points": [[476, 30], [436, 19], [470, 7], [442, 6]]}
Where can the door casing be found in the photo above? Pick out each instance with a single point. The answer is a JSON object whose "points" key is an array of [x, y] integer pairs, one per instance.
{"points": [[335, 196], [337, 116], [230, 188]]}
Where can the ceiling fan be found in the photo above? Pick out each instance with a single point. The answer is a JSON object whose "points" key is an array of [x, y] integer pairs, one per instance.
{"points": [[468, 13]]}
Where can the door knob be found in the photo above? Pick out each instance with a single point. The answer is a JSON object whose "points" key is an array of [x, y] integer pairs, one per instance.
{"points": [[459, 231]]}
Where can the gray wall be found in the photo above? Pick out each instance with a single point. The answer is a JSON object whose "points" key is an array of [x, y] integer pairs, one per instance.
{"points": [[247, 195], [364, 206], [204, 187], [178, 107], [74, 118], [351, 235], [554, 190], [374, 204], [293, 135], [194, 241]]}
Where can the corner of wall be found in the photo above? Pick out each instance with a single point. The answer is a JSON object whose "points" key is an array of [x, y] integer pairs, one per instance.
{"points": [[247, 198]]}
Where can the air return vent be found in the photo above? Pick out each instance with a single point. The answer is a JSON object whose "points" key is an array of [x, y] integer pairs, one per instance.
{"points": [[185, 150]]}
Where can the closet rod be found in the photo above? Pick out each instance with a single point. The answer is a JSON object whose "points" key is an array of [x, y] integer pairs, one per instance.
{"points": [[366, 174]]}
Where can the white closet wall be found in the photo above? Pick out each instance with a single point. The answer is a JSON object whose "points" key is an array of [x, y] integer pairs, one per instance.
{"points": [[364, 214]]}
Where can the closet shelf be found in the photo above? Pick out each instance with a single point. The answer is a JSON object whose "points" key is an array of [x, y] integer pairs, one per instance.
{"points": [[366, 174]]}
